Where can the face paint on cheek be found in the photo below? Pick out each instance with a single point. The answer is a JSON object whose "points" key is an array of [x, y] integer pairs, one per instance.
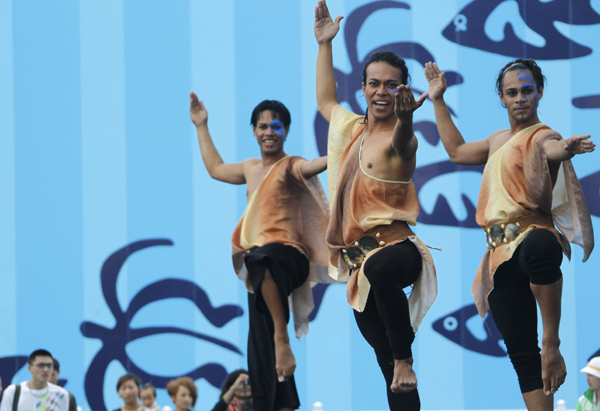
{"points": [[277, 127], [526, 81], [394, 90]]}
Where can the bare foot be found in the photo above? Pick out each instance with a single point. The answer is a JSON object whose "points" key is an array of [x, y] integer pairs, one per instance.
{"points": [[285, 362], [554, 370], [405, 379]]}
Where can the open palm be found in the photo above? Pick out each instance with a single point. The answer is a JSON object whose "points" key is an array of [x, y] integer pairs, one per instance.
{"points": [[325, 27], [436, 79], [198, 112]]}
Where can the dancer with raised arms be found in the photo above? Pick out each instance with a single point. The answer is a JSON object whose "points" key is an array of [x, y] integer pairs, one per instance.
{"points": [[371, 159], [530, 206]]}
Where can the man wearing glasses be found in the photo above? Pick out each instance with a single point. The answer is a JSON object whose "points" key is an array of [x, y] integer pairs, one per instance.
{"points": [[37, 394]]}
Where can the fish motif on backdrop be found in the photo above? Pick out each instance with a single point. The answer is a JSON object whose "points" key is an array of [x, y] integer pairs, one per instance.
{"points": [[115, 340], [453, 326], [350, 84], [467, 28], [591, 101]]}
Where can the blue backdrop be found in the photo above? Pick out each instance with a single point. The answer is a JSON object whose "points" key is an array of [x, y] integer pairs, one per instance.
{"points": [[115, 242]]}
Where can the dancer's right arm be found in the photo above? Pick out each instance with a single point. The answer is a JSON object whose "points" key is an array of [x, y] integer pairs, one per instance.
{"points": [[232, 173], [459, 152], [325, 31]]}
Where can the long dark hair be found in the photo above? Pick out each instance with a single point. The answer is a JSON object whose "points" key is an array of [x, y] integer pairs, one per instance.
{"points": [[231, 379]]}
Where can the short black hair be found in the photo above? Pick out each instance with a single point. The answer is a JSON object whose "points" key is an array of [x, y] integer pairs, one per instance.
{"points": [[148, 386], [56, 364], [521, 64], [278, 109], [231, 379], [128, 377], [38, 353]]}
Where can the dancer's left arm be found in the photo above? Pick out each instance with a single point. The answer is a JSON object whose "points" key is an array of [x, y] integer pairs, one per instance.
{"points": [[313, 167], [561, 150]]}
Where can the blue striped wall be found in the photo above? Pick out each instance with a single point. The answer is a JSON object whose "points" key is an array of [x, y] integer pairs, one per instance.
{"points": [[97, 152]]}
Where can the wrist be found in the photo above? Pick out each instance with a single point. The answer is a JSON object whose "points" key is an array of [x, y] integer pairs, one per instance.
{"points": [[404, 117], [551, 341]]}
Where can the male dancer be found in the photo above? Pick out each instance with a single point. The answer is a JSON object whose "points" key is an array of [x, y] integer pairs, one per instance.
{"points": [[370, 163], [277, 245], [528, 188]]}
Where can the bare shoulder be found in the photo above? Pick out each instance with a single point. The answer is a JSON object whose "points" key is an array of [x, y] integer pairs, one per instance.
{"points": [[496, 134], [250, 163], [549, 134]]}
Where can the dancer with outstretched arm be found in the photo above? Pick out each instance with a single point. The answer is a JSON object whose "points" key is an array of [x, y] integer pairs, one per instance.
{"points": [[531, 207]]}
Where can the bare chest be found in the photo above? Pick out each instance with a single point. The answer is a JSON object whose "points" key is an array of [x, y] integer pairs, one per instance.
{"points": [[498, 141], [379, 160], [254, 176]]}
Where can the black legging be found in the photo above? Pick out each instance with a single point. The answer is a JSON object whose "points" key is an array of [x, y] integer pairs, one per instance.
{"points": [[385, 321], [535, 261]]}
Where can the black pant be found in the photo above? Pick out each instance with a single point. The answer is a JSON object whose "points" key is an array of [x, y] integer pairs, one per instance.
{"points": [[512, 303], [385, 321], [289, 269]]}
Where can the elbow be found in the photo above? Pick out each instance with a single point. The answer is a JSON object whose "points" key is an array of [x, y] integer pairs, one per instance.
{"points": [[454, 159], [212, 172]]}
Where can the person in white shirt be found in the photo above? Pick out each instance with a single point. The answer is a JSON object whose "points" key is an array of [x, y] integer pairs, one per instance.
{"points": [[37, 394]]}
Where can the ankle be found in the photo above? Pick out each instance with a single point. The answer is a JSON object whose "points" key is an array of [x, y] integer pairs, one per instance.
{"points": [[405, 361]]}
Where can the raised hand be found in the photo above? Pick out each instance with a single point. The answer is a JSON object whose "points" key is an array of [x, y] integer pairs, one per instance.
{"points": [[580, 144], [325, 27], [436, 79], [198, 112], [405, 103], [239, 383]]}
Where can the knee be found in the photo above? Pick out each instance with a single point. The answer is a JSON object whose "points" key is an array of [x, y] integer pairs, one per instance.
{"points": [[528, 366], [376, 271], [541, 257]]}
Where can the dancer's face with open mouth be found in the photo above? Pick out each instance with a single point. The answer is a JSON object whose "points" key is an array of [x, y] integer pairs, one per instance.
{"points": [[382, 79], [270, 133]]}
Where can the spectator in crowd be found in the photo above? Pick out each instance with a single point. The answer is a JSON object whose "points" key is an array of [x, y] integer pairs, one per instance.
{"points": [[37, 394], [128, 388], [54, 380], [236, 394], [590, 399], [183, 392], [148, 397]]}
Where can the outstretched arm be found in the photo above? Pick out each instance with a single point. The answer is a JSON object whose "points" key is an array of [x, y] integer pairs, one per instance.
{"points": [[561, 150], [313, 167], [232, 173], [454, 143], [325, 31], [404, 141]]}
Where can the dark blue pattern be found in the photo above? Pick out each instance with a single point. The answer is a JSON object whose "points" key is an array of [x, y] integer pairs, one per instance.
{"points": [[114, 340]]}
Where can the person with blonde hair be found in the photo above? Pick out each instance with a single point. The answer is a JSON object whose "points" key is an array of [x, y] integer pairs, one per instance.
{"points": [[183, 393]]}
